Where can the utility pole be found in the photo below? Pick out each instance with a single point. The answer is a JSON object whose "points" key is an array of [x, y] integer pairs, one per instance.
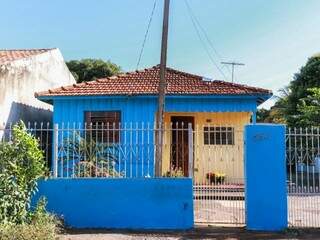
{"points": [[162, 87], [233, 64]]}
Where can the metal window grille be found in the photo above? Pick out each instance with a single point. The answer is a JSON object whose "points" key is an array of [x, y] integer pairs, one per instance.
{"points": [[218, 135]]}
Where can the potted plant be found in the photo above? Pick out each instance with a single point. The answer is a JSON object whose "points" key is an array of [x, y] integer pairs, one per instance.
{"points": [[216, 177], [174, 172]]}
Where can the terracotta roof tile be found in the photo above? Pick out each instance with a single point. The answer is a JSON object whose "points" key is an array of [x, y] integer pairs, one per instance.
{"points": [[16, 54], [145, 82]]}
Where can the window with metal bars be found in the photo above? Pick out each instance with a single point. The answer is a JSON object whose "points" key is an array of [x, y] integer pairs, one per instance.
{"points": [[218, 135], [103, 126]]}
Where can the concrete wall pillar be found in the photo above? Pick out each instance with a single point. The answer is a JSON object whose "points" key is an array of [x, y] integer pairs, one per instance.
{"points": [[265, 176]]}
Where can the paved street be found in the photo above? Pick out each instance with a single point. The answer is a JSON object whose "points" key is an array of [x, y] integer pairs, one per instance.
{"points": [[197, 233]]}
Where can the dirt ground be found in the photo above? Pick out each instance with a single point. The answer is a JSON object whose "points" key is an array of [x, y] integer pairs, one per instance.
{"points": [[219, 233]]}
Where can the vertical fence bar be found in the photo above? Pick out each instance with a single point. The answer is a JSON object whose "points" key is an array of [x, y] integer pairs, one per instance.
{"points": [[73, 142], [119, 150], [125, 150], [190, 150], [131, 149], [148, 149], [67, 150], [142, 149], [55, 150], [138, 149], [61, 148]]}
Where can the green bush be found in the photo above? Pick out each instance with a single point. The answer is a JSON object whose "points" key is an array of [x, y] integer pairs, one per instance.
{"points": [[21, 165]]}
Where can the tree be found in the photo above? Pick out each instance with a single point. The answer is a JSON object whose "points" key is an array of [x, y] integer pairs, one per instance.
{"points": [[263, 115], [295, 105], [274, 115], [309, 109], [90, 69], [307, 78], [277, 112]]}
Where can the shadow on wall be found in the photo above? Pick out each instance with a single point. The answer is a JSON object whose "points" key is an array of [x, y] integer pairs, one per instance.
{"points": [[28, 114], [32, 117]]}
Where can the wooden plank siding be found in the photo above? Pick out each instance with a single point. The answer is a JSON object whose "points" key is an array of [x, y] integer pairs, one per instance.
{"points": [[212, 157]]}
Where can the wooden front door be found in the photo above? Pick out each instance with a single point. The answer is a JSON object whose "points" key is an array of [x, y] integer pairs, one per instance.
{"points": [[179, 146]]}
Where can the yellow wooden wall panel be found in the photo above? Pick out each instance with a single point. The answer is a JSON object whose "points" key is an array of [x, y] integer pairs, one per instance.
{"points": [[227, 159]]}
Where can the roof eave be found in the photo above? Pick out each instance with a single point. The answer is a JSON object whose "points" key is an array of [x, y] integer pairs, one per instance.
{"points": [[46, 99], [260, 97], [263, 97]]}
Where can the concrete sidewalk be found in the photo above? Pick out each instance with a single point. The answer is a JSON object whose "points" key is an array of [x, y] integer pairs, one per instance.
{"points": [[218, 233]]}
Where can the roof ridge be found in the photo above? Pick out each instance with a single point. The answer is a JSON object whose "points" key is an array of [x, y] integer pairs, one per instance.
{"points": [[184, 73], [28, 49], [150, 69], [122, 74], [240, 85], [177, 71]]}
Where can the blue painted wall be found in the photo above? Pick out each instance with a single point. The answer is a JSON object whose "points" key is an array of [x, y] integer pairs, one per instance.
{"points": [[143, 108], [265, 176], [121, 203]]}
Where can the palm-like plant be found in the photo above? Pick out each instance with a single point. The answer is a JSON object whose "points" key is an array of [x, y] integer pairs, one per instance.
{"points": [[89, 157]]}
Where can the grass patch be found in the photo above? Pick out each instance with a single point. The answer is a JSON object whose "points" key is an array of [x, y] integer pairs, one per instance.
{"points": [[46, 228], [28, 232]]}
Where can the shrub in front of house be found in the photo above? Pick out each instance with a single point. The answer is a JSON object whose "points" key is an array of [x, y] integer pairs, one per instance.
{"points": [[21, 166]]}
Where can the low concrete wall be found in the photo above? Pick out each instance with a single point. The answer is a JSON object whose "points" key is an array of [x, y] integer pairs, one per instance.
{"points": [[152, 203]]}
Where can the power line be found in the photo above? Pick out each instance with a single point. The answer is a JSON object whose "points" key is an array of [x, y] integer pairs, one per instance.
{"points": [[194, 23], [146, 34], [203, 30]]}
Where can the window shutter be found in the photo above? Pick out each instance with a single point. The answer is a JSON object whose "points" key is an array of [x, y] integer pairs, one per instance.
{"points": [[109, 120], [87, 119]]}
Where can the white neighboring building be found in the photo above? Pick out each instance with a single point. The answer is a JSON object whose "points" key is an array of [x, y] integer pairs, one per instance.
{"points": [[24, 72]]}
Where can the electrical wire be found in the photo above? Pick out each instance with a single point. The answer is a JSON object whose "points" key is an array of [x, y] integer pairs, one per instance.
{"points": [[204, 32], [196, 23], [146, 34]]}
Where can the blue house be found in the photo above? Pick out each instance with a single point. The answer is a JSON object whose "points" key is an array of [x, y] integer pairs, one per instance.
{"points": [[126, 106]]}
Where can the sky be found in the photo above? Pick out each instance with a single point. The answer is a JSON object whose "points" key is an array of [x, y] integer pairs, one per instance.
{"points": [[274, 38]]}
